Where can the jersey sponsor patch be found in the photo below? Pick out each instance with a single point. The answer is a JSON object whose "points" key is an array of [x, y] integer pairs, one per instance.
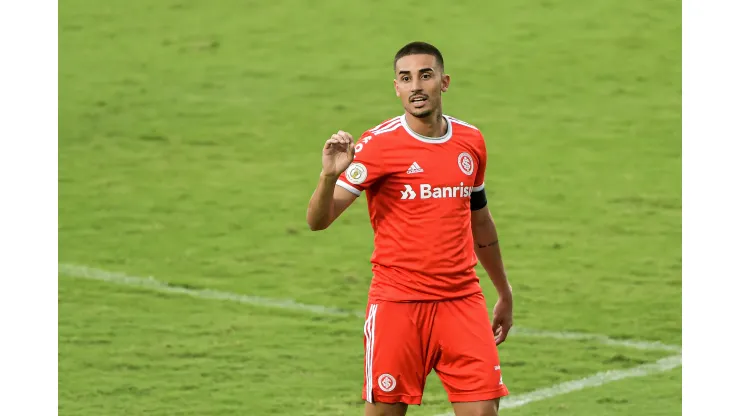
{"points": [[427, 191], [356, 173]]}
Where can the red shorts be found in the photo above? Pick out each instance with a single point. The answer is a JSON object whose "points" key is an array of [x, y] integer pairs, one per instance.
{"points": [[405, 341]]}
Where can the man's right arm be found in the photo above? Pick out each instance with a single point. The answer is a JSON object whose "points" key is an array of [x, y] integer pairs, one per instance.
{"points": [[327, 203], [346, 172], [329, 200]]}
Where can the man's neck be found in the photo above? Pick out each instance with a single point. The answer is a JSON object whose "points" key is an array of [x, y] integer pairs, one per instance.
{"points": [[433, 126]]}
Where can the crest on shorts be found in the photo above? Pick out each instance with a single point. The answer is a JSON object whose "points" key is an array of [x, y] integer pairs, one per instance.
{"points": [[465, 161], [356, 173], [386, 382]]}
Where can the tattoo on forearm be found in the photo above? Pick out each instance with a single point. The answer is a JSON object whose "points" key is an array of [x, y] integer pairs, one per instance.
{"points": [[487, 245]]}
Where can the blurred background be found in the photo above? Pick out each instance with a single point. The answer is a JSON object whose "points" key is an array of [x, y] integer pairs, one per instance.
{"points": [[190, 136]]}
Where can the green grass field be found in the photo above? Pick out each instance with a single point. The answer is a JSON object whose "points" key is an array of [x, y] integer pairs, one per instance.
{"points": [[190, 142]]}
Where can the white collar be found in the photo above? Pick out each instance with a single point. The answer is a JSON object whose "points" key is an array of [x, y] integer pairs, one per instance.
{"points": [[426, 139]]}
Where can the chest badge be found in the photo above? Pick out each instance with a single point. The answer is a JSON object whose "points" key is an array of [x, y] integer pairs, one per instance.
{"points": [[465, 162]]}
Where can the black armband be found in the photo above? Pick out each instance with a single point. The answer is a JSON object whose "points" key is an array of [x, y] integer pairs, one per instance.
{"points": [[478, 200]]}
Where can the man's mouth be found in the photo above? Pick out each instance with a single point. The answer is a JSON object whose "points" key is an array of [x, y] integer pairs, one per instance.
{"points": [[418, 101]]}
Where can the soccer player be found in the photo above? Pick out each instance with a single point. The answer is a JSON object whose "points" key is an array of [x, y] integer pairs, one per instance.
{"points": [[422, 173]]}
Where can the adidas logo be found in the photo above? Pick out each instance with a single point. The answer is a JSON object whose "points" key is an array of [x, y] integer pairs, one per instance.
{"points": [[414, 168]]}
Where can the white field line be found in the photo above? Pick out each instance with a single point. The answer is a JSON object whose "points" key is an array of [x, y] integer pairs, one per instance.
{"points": [[595, 380], [603, 339], [160, 286], [288, 304]]}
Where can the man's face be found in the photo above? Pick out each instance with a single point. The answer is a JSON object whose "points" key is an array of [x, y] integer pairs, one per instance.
{"points": [[420, 83]]}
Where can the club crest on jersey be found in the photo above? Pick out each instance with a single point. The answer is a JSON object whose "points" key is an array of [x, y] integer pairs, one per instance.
{"points": [[386, 382], [465, 162], [356, 173]]}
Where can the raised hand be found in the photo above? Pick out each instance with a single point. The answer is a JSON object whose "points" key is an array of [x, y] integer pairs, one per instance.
{"points": [[339, 151]]}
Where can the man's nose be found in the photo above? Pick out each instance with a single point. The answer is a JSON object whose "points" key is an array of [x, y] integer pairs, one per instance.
{"points": [[416, 86]]}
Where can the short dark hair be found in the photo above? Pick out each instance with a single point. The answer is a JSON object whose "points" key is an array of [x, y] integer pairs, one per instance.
{"points": [[419, 48]]}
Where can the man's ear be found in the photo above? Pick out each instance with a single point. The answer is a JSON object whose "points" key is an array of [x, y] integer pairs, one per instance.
{"points": [[445, 82]]}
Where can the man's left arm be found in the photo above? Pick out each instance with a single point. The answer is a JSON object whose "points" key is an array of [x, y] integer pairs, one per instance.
{"points": [[488, 250]]}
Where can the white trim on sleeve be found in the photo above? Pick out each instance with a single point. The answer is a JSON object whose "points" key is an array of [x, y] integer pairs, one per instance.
{"points": [[349, 187]]}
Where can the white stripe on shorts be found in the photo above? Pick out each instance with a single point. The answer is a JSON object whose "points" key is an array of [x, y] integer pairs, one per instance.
{"points": [[370, 342]]}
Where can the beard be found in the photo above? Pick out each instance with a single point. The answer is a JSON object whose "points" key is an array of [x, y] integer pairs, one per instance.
{"points": [[421, 113]]}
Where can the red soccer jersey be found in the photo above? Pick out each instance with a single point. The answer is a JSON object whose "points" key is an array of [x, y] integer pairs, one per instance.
{"points": [[418, 193]]}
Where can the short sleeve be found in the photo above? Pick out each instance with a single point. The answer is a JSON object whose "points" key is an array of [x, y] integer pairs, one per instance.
{"points": [[482, 161], [366, 168]]}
